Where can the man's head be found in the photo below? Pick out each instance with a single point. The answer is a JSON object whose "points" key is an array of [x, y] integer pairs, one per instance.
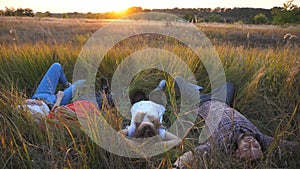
{"points": [[248, 148]]}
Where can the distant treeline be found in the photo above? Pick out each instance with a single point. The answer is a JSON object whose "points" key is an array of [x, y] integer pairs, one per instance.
{"points": [[288, 14], [18, 12]]}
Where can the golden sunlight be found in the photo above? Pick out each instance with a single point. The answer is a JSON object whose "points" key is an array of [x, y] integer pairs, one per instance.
{"points": [[118, 7]]}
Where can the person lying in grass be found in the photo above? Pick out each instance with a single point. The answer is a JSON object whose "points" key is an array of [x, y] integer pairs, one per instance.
{"points": [[147, 116], [233, 134], [84, 105], [44, 98], [46, 102]]}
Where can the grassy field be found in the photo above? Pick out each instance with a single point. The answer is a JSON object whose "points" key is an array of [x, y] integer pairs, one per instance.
{"points": [[264, 66]]}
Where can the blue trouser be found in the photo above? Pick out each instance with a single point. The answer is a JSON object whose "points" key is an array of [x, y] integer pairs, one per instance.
{"points": [[47, 87]]}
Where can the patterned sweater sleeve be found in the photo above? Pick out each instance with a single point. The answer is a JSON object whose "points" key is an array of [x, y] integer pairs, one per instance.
{"points": [[269, 142]]}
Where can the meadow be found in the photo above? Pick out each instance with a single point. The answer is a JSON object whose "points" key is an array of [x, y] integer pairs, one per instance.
{"points": [[262, 61]]}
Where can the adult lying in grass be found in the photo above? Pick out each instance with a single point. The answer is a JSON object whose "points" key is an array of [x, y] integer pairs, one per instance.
{"points": [[44, 98], [58, 106], [233, 134], [82, 107]]}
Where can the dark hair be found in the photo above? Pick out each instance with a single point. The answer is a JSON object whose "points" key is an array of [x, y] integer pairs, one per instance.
{"points": [[145, 131], [137, 96]]}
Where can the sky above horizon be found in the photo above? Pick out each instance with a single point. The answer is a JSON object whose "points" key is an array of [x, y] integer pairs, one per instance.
{"points": [[96, 6]]}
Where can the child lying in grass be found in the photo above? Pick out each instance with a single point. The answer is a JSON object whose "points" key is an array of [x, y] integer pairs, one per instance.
{"points": [[147, 117]]}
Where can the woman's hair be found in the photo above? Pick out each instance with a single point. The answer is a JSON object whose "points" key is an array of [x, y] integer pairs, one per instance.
{"points": [[146, 130]]}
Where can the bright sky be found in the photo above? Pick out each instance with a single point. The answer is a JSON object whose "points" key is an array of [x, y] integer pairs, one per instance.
{"points": [[61, 6]]}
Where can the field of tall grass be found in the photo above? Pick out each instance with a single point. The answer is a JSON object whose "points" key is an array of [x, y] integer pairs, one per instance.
{"points": [[264, 66]]}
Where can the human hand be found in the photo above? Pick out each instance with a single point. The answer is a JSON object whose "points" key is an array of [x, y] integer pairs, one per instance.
{"points": [[60, 94], [185, 160], [139, 117], [188, 160], [67, 84]]}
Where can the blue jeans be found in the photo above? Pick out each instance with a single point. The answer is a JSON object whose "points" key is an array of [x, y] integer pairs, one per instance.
{"points": [[47, 87]]}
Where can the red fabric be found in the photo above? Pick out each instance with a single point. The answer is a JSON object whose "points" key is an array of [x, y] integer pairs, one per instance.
{"points": [[80, 107]]}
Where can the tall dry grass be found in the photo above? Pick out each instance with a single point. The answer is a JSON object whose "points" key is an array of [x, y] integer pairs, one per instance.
{"points": [[266, 76]]}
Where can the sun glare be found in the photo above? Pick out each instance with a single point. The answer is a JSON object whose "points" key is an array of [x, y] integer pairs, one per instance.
{"points": [[120, 12], [118, 7]]}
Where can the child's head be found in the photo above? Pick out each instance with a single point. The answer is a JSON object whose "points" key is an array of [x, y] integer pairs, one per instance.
{"points": [[146, 128]]}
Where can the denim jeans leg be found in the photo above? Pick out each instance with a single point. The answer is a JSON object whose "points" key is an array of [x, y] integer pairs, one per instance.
{"points": [[47, 87], [70, 91]]}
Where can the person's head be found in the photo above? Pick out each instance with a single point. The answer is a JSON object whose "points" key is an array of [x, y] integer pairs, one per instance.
{"points": [[145, 130], [146, 125], [248, 148]]}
